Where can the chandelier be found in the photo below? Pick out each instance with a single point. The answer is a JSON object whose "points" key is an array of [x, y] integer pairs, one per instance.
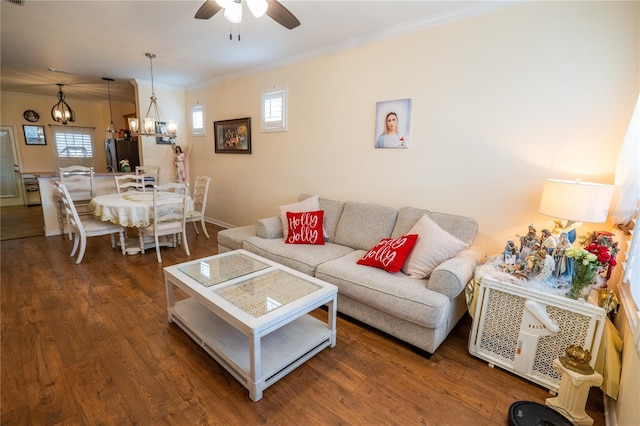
{"points": [[154, 123], [112, 127], [62, 112]]}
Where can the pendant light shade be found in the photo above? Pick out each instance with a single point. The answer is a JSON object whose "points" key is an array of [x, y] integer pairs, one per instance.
{"points": [[154, 123], [62, 112], [111, 129]]}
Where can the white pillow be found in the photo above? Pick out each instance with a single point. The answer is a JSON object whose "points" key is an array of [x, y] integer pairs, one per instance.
{"points": [[434, 246], [310, 204]]}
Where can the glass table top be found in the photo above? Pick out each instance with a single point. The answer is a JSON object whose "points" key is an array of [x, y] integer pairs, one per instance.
{"points": [[225, 268], [267, 292]]}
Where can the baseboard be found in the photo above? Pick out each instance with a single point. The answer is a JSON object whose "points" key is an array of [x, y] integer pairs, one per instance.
{"points": [[218, 223]]}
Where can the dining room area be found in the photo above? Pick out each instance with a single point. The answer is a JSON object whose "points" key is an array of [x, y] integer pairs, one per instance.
{"points": [[139, 212]]}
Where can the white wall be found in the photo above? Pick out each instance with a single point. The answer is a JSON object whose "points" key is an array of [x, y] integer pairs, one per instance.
{"points": [[501, 101]]}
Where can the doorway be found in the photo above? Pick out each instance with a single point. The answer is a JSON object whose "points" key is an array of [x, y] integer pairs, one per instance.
{"points": [[10, 180]]}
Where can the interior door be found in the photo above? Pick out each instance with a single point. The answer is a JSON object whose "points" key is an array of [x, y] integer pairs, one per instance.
{"points": [[10, 183]]}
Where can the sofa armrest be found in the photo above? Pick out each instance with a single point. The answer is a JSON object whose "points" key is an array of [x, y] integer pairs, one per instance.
{"points": [[269, 228], [451, 276]]}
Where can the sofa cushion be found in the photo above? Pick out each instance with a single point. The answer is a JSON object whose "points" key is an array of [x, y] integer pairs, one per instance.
{"points": [[362, 225], [302, 258], [332, 212], [390, 253], [434, 246], [462, 227], [305, 228], [309, 205], [395, 294], [232, 238]]}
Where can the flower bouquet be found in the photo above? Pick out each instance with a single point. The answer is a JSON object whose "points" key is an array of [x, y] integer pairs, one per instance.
{"points": [[585, 268], [124, 165]]}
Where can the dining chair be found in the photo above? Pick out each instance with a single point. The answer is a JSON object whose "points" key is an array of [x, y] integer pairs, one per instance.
{"points": [[89, 227], [200, 193], [151, 175], [80, 184], [169, 216], [129, 182]]}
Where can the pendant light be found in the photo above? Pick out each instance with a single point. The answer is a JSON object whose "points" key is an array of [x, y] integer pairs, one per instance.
{"points": [[62, 112], [112, 127], [154, 123]]}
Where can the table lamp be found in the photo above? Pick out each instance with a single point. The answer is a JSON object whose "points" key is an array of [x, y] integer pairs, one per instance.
{"points": [[575, 200]]}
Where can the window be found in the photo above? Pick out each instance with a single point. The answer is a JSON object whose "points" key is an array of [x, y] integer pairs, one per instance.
{"points": [[74, 146], [630, 286], [197, 120], [274, 111]]}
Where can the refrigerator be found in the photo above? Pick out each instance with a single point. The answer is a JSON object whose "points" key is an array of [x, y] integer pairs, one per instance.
{"points": [[121, 149]]}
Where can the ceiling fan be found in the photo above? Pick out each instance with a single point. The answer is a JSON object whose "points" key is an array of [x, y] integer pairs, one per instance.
{"points": [[233, 11]]}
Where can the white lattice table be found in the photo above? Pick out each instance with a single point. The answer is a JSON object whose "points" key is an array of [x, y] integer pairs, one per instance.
{"points": [[251, 314]]}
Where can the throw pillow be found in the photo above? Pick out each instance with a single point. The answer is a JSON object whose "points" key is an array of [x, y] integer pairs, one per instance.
{"points": [[434, 246], [305, 228], [310, 204], [390, 253]]}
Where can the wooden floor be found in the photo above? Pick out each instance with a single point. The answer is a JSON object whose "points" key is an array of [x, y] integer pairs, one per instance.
{"points": [[89, 344], [21, 222]]}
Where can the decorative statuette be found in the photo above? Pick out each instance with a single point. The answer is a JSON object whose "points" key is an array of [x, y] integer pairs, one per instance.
{"points": [[577, 359]]}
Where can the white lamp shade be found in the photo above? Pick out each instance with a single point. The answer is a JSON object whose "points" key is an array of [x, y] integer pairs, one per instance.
{"points": [[233, 12], [576, 200], [257, 7]]}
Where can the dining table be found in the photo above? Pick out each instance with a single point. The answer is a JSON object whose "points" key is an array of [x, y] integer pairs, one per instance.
{"points": [[132, 209]]}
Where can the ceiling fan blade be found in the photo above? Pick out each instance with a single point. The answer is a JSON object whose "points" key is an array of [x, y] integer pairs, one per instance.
{"points": [[281, 15], [208, 9]]}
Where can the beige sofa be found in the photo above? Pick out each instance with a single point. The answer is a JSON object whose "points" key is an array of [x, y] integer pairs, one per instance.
{"points": [[420, 312]]}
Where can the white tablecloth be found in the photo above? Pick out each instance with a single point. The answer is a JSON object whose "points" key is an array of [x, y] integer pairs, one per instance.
{"points": [[130, 209]]}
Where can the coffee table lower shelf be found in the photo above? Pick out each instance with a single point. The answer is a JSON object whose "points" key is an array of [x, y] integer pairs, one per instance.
{"points": [[281, 351]]}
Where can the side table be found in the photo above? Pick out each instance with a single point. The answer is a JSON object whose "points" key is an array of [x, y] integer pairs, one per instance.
{"points": [[522, 330]]}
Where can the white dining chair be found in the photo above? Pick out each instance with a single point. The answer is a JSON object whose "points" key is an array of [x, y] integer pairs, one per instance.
{"points": [[169, 216], [129, 182], [79, 182], [151, 175], [200, 193], [89, 227]]}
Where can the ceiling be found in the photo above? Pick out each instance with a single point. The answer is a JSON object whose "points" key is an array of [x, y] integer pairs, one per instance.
{"points": [[95, 39]]}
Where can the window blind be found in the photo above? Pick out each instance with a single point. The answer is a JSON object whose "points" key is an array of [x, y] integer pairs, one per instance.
{"points": [[274, 110], [74, 146]]}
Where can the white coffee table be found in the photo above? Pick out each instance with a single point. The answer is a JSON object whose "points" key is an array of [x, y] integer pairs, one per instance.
{"points": [[250, 314]]}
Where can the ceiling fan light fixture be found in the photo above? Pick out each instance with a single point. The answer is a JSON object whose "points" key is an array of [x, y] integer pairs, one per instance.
{"points": [[233, 12], [61, 111], [258, 7]]}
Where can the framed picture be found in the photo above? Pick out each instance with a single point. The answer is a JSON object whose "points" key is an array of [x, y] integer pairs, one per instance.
{"points": [[233, 136], [161, 127], [393, 120], [34, 135]]}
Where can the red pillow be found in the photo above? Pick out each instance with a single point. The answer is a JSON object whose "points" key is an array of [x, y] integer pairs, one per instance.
{"points": [[305, 228], [390, 253]]}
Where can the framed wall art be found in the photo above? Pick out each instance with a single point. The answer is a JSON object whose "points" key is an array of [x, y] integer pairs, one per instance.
{"points": [[393, 119], [161, 127], [34, 135], [233, 136]]}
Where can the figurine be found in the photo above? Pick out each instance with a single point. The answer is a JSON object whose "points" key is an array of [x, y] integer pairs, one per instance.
{"points": [[564, 265], [529, 239], [510, 253], [548, 242]]}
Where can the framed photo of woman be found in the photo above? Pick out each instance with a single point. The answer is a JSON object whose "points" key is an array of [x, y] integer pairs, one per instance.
{"points": [[393, 120]]}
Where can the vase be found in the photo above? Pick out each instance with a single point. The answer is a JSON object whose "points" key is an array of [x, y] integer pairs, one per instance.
{"points": [[125, 168], [582, 280]]}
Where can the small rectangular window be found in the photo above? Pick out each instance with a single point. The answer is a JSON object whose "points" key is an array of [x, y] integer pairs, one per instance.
{"points": [[197, 120], [274, 111], [74, 146]]}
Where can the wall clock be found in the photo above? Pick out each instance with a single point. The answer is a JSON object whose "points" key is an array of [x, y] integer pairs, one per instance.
{"points": [[31, 115]]}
